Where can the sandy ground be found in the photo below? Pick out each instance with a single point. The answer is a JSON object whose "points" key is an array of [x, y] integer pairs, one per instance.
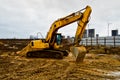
{"points": [[96, 66]]}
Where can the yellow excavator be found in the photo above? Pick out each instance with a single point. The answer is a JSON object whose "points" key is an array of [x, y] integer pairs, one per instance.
{"points": [[50, 47]]}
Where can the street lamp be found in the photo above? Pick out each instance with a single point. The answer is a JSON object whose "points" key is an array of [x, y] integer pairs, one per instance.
{"points": [[108, 27]]}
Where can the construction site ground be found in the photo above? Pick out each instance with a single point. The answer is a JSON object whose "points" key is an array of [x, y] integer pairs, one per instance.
{"points": [[97, 65]]}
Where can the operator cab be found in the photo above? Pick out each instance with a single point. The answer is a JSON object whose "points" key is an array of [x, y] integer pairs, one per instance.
{"points": [[58, 38]]}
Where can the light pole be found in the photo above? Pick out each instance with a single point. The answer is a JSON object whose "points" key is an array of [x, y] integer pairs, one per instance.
{"points": [[108, 27]]}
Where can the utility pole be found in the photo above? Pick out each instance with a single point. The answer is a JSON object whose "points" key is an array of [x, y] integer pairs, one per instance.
{"points": [[108, 27]]}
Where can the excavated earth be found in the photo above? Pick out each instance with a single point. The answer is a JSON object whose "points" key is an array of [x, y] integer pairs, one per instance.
{"points": [[97, 65]]}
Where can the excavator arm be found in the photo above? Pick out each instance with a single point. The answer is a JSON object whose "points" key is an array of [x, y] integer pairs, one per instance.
{"points": [[77, 16], [77, 50], [61, 23], [82, 25]]}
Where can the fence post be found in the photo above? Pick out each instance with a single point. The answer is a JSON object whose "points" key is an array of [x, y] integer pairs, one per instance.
{"points": [[105, 41], [97, 41], [91, 41], [86, 41], [114, 41]]}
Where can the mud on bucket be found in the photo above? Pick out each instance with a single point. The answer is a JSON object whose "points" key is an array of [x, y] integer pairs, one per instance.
{"points": [[78, 53]]}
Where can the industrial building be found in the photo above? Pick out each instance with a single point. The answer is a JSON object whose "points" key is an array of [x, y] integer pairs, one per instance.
{"points": [[114, 32], [91, 32]]}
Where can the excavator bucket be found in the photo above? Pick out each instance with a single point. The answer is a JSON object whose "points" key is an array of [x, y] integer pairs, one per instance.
{"points": [[78, 53]]}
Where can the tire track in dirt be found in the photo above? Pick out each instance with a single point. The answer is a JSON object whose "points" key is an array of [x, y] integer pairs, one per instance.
{"points": [[53, 69]]}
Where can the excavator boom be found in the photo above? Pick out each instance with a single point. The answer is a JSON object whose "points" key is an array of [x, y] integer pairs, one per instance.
{"points": [[82, 25], [61, 23]]}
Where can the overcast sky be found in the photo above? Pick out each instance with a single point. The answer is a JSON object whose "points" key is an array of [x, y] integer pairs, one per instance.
{"points": [[22, 18]]}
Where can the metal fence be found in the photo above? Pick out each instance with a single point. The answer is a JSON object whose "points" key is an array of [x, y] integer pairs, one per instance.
{"points": [[113, 41]]}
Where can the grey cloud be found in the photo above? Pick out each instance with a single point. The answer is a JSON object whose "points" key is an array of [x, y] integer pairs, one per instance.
{"points": [[27, 17]]}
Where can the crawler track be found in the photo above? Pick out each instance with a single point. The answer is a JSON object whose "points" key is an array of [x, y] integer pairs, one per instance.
{"points": [[58, 54]]}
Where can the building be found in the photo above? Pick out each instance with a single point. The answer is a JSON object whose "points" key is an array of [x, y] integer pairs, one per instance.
{"points": [[114, 32], [97, 35], [91, 32]]}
